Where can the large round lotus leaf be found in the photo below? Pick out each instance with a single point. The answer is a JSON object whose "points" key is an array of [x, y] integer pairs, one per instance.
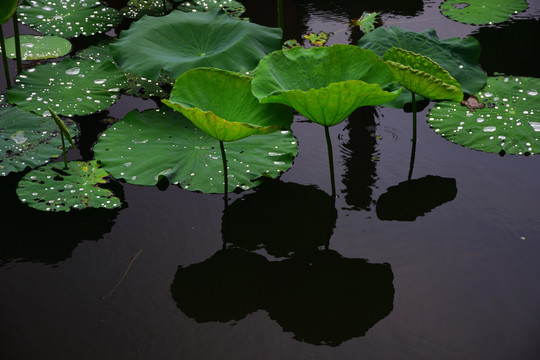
{"points": [[231, 7], [135, 9], [187, 156], [182, 41], [456, 55], [70, 87], [68, 18], [28, 140], [509, 123], [7, 9], [422, 76], [481, 12], [53, 188], [135, 84], [38, 47], [325, 84], [221, 104]]}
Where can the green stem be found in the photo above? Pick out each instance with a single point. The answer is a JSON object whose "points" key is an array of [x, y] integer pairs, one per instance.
{"points": [[17, 41], [225, 195], [330, 160], [165, 5], [64, 150], [413, 151], [4, 58]]}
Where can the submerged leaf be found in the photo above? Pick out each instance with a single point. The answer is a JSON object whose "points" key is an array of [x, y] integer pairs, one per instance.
{"points": [[28, 140], [481, 12], [182, 41], [68, 18], [458, 56], [53, 188], [38, 47], [508, 124], [221, 104], [324, 84], [70, 87], [187, 156], [422, 76]]}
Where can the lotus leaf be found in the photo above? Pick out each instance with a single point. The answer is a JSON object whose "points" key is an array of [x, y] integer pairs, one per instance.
{"points": [[28, 140], [70, 87], [52, 188], [181, 41], [7, 9], [135, 9], [324, 84], [135, 84], [187, 156], [231, 7], [422, 76], [458, 56], [200, 95], [509, 123], [481, 12], [68, 18], [38, 47]]}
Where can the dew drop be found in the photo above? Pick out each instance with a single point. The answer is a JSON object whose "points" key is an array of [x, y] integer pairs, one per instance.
{"points": [[490, 128], [73, 71], [99, 81], [532, 92]]}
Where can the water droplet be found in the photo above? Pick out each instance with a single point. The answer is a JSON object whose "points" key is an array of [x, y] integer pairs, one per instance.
{"points": [[488, 94], [535, 125], [490, 128], [73, 71], [532, 92], [479, 120], [99, 81], [139, 141], [19, 137], [128, 164]]}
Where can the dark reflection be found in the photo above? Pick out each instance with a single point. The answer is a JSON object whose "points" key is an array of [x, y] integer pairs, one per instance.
{"points": [[322, 298], [46, 237], [296, 13], [410, 199], [359, 157], [508, 39], [283, 218]]}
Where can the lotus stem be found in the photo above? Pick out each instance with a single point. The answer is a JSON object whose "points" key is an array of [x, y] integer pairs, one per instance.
{"points": [[165, 5], [17, 41], [330, 160], [413, 151], [4, 58], [64, 150], [225, 195]]}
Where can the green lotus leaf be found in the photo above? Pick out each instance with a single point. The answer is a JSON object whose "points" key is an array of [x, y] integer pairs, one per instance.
{"points": [[231, 7], [135, 9], [324, 84], [509, 123], [187, 156], [422, 75], [221, 104], [28, 140], [53, 188], [182, 41], [458, 56], [70, 87], [135, 85], [481, 12], [68, 18], [7, 9], [38, 47]]}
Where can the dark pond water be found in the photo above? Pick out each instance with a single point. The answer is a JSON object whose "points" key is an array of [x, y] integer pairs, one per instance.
{"points": [[458, 282]]}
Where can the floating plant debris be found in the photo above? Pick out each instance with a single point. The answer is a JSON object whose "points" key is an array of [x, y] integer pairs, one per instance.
{"points": [[68, 18], [508, 124], [186, 156], [38, 47], [70, 87], [53, 188]]}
